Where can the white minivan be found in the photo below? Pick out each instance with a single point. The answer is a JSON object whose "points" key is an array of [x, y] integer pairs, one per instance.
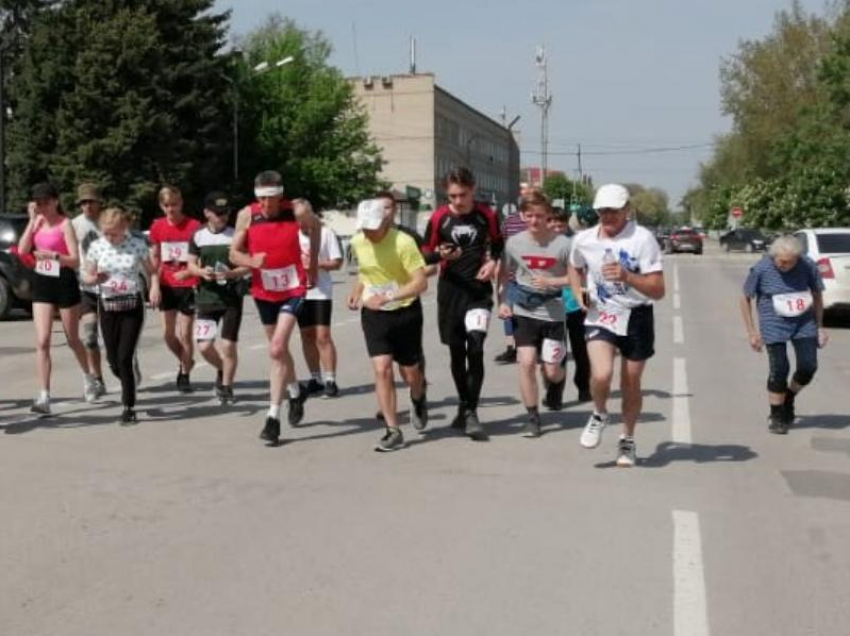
{"points": [[830, 249]]}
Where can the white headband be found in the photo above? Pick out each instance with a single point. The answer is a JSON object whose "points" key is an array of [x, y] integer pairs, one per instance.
{"points": [[268, 191]]}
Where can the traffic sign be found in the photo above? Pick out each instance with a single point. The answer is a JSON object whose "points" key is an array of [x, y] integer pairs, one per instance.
{"points": [[737, 213]]}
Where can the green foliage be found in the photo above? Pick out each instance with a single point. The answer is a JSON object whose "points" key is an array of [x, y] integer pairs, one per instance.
{"points": [[557, 186], [303, 118], [651, 205]]}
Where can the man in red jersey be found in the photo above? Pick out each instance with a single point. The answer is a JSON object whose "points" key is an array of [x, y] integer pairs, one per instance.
{"points": [[172, 285], [464, 238], [266, 240]]}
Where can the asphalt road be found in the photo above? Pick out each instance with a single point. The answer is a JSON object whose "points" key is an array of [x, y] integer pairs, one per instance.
{"points": [[187, 525]]}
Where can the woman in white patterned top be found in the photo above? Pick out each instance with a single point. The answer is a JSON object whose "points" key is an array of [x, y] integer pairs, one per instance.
{"points": [[115, 262]]}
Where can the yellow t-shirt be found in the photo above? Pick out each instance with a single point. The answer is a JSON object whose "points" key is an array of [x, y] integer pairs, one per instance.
{"points": [[386, 266]]}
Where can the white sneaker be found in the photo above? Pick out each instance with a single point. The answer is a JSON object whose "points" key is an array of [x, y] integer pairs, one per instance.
{"points": [[99, 389], [592, 433], [626, 452], [41, 406], [90, 389]]}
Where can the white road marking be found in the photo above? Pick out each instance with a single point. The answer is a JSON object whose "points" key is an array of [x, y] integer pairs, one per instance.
{"points": [[681, 403], [677, 301], [676, 278], [162, 376], [690, 616], [678, 330]]}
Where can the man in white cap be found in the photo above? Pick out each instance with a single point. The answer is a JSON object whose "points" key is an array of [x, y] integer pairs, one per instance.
{"points": [[621, 264], [390, 278]]}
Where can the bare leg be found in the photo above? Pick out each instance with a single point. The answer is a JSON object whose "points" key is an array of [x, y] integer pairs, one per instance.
{"points": [[601, 356], [229, 360], [42, 320], [385, 389], [527, 361], [184, 328], [631, 372], [326, 348], [71, 323]]}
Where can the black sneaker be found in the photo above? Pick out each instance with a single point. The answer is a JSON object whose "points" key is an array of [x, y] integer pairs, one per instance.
{"points": [[296, 409], [419, 412], [459, 421], [554, 400], [128, 417], [392, 440], [311, 387], [331, 390], [183, 383], [474, 430], [777, 425], [508, 356], [789, 413], [225, 395], [271, 431], [532, 427]]}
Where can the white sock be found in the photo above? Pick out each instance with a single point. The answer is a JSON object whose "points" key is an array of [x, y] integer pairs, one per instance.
{"points": [[44, 395], [294, 390], [329, 376], [274, 411]]}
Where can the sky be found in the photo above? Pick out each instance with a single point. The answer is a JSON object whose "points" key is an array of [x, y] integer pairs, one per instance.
{"points": [[626, 76]]}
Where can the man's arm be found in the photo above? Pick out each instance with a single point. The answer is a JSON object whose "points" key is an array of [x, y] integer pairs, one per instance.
{"points": [[238, 253]]}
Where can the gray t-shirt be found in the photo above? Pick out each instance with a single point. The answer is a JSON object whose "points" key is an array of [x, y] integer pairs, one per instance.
{"points": [[87, 233], [525, 257]]}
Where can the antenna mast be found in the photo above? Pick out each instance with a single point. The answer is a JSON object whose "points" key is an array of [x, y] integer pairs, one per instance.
{"points": [[542, 98]]}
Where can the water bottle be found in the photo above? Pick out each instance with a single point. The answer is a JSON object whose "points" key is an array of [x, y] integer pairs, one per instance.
{"points": [[219, 269], [608, 258]]}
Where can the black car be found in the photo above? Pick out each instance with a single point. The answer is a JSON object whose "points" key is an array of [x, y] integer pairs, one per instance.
{"points": [[15, 278], [744, 239]]}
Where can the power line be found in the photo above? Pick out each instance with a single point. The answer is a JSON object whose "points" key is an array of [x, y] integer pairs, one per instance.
{"points": [[640, 151]]}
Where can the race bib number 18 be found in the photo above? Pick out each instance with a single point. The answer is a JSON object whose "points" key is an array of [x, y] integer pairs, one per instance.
{"points": [[792, 305]]}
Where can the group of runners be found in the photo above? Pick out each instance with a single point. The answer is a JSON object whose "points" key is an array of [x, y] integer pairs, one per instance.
{"points": [[597, 286]]}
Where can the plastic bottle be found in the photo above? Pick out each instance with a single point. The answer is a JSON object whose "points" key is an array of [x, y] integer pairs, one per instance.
{"points": [[219, 269]]}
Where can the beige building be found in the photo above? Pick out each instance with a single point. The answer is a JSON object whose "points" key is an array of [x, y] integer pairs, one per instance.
{"points": [[424, 131]]}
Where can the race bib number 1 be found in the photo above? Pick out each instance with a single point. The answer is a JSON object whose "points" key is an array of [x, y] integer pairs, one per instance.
{"points": [[611, 317], [48, 267], [280, 280], [477, 320], [205, 330]]}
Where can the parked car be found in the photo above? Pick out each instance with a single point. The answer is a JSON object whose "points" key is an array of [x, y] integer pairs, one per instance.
{"points": [[683, 240], [745, 239], [830, 249], [15, 277]]}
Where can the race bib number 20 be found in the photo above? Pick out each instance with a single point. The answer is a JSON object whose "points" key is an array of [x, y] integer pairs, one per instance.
{"points": [[47, 267]]}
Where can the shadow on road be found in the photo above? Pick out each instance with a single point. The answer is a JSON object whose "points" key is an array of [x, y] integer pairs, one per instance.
{"points": [[669, 452], [831, 422]]}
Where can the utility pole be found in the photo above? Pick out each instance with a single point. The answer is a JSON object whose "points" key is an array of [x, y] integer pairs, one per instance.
{"points": [[2, 136], [542, 98], [580, 171]]}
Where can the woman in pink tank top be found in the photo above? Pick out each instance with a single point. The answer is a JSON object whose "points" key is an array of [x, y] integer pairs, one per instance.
{"points": [[50, 238]]}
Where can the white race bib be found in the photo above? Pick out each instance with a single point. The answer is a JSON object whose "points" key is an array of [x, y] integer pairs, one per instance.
{"points": [[48, 267], [792, 305], [174, 251], [388, 289], [553, 351], [609, 316], [281, 279], [205, 329], [119, 285], [477, 320]]}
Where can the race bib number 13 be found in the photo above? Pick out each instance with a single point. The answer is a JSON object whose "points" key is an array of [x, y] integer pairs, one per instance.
{"points": [[280, 280]]}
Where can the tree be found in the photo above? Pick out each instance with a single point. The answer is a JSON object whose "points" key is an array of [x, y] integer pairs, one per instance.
{"points": [[129, 93], [558, 186], [303, 118], [651, 205]]}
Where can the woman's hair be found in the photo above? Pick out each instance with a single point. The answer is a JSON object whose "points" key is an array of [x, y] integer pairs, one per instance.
{"points": [[113, 215], [169, 190], [785, 246], [535, 199]]}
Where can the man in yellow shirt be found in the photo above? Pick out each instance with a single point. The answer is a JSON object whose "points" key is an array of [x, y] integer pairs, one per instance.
{"points": [[390, 279]]}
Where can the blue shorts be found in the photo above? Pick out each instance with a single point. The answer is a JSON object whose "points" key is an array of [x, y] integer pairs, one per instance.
{"points": [[270, 310]]}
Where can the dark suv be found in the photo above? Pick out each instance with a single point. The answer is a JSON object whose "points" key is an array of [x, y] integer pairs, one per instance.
{"points": [[744, 239], [15, 278]]}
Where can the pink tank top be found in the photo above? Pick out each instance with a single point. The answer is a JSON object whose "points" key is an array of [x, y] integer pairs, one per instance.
{"points": [[51, 239]]}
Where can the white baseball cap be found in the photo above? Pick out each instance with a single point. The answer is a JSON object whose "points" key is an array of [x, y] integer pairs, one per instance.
{"points": [[370, 214], [611, 196]]}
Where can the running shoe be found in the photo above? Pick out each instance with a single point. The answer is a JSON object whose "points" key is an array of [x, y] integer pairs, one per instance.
{"points": [[392, 440], [183, 383], [532, 427], [459, 421], [419, 412], [41, 406], [777, 424], [554, 400], [296, 409], [89, 390], [99, 388], [474, 430], [226, 395], [128, 417], [331, 390], [311, 387], [591, 436], [271, 431], [508, 356], [626, 452], [788, 411]]}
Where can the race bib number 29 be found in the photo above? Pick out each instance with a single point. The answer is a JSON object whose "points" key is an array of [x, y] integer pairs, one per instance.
{"points": [[175, 251]]}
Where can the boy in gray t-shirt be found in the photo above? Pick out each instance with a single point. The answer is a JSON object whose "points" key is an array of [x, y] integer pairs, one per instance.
{"points": [[538, 258]]}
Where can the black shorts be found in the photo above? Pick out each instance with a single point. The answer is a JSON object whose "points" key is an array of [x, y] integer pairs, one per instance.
{"points": [[229, 320], [452, 304], [180, 299], [88, 303], [64, 291], [639, 342], [529, 332], [315, 313], [395, 333], [270, 310]]}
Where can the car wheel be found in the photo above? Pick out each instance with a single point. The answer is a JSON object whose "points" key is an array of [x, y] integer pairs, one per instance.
{"points": [[5, 299]]}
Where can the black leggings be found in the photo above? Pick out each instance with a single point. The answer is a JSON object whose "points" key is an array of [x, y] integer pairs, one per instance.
{"points": [[121, 330], [578, 347], [468, 368], [806, 351]]}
